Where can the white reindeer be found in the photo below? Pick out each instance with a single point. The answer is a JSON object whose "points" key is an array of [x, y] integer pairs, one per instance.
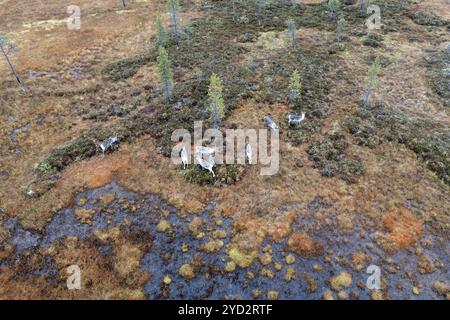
{"points": [[269, 123], [184, 157], [294, 119], [108, 143], [207, 164], [205, 150]]}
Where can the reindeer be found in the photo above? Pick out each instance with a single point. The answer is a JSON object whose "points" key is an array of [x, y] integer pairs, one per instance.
{"points": [[270, 124], [207, 164], [295, 119], [108, 144], [205, 150], [184, 157]]}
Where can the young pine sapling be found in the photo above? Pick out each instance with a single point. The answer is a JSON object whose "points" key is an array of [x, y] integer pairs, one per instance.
{"points": [[174, 8], [6, 47], [295, 87], [234, 13], [261, 7], [340, 30], [291, 31], [333, 7], [215, 100], [187, 34], [160, 31], [371, 80], [363, 6], [165, 73]]}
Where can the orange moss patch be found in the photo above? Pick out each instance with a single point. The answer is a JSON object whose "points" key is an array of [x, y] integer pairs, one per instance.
{"points": [[249, 234], [148, 171], [128, 257], [304, 246], [405, 229], [13, 288], [281, 227], [85, 215], [195, 225], [107, 198], [98, 171], [359, 260]]}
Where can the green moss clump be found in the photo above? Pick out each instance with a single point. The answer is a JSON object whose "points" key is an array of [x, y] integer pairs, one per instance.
{"points": [[431, 143], [439, 73], [225, 174], [364, 132], [373, 40], [428, 19], [330, 158], [125, 68], [298, 137], [350, 167], [120, 109], [326, 155], [87, 144], [82, 148], [45, 166], [241, 258]]}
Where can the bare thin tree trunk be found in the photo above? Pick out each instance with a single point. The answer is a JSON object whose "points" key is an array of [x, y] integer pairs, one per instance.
{"points": [[16, 76]]}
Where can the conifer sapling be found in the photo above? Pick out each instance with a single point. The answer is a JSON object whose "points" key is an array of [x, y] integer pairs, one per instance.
{"points": [[371, 80], [215, 100], [291, 31], [340, 30], [261, 4], [295, 87], [363, 6], [174, 7], [160, 31], [333, 7], [165, 72]]}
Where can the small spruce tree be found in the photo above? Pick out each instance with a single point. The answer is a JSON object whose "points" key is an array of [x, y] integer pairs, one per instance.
{"points": [[165, 72], [295, 87], [160, 31], [187, 34], [333, 7], [340, 30], [291, 31], [216, 103], [261, 7], [174, 8], [363, 6], [371, 80]]}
